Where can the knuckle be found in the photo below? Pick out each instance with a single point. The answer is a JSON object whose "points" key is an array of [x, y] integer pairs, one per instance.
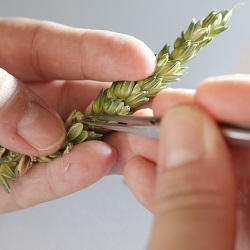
{"points": [[195, 188], [191, 197]]}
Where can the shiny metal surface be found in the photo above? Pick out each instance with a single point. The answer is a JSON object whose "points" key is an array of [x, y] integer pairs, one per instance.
{"points": [[236, 135]]}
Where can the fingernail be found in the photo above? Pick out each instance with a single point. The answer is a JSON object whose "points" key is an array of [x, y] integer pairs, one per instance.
{"points": [[40, 128], [181, 138]]}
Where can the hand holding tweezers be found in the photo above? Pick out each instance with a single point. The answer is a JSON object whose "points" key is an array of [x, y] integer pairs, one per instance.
{"points": [[236, 135]]}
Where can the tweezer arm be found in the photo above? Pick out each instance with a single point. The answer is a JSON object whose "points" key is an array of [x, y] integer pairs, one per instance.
{"points": [[236, 135], [144, 126]]}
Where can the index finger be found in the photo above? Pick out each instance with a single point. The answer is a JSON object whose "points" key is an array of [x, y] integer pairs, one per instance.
{"points": [[226, 98], [36, 50]]}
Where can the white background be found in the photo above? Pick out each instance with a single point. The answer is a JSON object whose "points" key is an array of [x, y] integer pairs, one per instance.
{"points": [[106, 216]]}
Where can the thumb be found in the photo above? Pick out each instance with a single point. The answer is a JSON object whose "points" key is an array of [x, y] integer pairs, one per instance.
{"points": [[196, 189], [27, 124]]}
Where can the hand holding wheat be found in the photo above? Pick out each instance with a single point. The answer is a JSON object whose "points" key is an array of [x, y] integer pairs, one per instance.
{"points": [[123, 96]]}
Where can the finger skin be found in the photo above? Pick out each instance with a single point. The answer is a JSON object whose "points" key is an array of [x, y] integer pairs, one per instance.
{"points": [[226, 98], [140, 176], [196, 188], [47, 181], [168, 98], [66, 96], [119, 141], [35, 50], [17, 101], [140, 172]]}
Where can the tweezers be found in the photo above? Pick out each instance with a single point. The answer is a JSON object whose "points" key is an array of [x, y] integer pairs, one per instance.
{"points": [[236, 135]]}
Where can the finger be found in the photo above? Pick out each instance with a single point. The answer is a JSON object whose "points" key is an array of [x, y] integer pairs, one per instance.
{"points": [[141, 145], [166, 99], [87, 163], [119, 141], [27, 124], [34, 50], [140, 176], [196, 190], [170, 97], [65, 96], [140, 172], [225, 97]]}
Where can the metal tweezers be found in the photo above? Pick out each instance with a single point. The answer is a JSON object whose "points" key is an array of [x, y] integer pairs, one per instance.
{"points": [[236, 135]]}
